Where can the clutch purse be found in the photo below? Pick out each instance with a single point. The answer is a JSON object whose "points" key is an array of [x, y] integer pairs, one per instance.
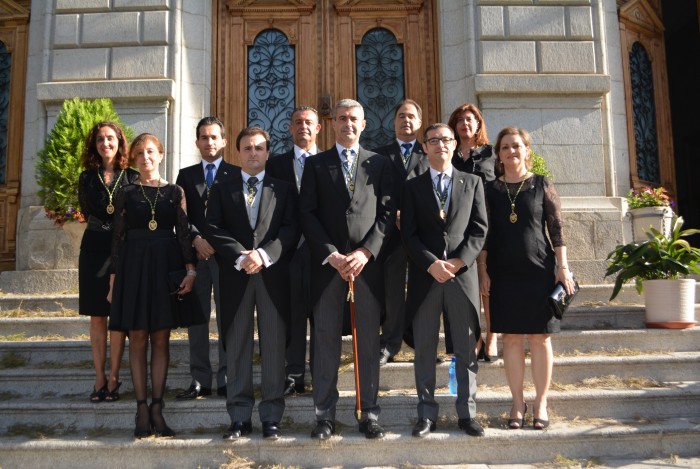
{"points": [[559, 300], [175, 279]]}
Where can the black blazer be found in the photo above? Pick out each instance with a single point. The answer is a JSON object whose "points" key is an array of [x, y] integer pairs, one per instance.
{"points": [[482, 162], [331, 221], [191, 179], [282, 167], [228, 231], [427, 237], [418, 164]]}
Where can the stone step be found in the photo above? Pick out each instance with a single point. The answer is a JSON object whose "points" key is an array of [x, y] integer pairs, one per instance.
{"points": [[681, 399], [394, 377], [35, 353], [447, 447]]}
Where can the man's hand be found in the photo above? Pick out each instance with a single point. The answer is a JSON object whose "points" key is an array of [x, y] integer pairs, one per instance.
{"points": [[442, 271], [253, 262], [203, 248], [455, 264], [354, 263]]}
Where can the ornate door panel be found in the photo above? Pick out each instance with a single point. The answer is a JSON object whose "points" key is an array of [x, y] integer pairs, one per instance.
{"points": [[649, 128], [14, 20], [274, 55]]}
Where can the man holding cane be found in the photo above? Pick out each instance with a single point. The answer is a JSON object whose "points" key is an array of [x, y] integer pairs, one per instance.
{"points": [[346, 213]]}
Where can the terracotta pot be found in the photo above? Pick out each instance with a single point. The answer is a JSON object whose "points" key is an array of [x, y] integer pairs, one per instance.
{"points": [[670, 304], [660, 218]]}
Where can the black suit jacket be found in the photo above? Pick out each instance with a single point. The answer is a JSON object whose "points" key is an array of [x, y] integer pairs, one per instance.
{"points": [[228, 231], [418, 164], [191, 179], [282, 167], [427, 237], [331, 221]]}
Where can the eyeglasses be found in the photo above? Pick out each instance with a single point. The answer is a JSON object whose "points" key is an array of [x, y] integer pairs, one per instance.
{"points": [[438, 141]]}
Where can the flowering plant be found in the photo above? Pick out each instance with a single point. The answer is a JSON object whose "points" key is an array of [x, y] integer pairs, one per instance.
{"points": [[60, 216], [648, 197]]}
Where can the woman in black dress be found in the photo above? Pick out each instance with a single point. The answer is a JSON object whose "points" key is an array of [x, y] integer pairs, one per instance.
{"points": [[519, 268], [151, 241], [474, 155], [106, 161]]}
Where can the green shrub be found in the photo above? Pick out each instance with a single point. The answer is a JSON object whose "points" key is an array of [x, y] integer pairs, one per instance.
{"points": [[539, 165], [58, 166]]}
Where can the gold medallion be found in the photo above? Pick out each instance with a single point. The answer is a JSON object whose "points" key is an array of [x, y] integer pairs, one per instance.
{"points": [[443, 215], [513, 217], [351, 187], [152, 225], [110, 208]]}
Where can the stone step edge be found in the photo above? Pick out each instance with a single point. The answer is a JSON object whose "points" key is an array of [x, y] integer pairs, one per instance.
{"points": [[347, 398], [588, 359], [299, 449]]}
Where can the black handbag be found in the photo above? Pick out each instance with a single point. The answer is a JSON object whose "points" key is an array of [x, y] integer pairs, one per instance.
{"points": [[187, 310], [559, 300], [175, 279]]}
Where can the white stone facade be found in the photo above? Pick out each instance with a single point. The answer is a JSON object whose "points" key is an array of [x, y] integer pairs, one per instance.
{"points": [[550, 66]]}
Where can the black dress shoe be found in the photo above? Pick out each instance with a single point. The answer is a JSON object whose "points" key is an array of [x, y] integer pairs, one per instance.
{"points": [[195, 391], [323, 430], [238, 429], [271, 430], [385, 357], [423, 427], [221, 391], [371, 429], [471, 427], [294, 384]]}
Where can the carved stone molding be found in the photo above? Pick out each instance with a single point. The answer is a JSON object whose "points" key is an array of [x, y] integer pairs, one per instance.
{"points": [[641, 15], [349, 6], [241, 7]]}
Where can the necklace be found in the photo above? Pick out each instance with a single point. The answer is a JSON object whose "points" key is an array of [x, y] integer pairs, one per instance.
{"points": [[513, 217], [110, 207], [153, 224]]}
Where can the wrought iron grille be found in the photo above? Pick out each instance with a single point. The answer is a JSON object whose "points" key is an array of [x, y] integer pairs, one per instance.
{"points": [[380, 84], [271, 79], [644, 115]]}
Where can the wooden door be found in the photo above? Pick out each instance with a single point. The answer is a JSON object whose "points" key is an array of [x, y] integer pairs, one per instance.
{"points": [[649, 127], [323, 38], [14, 21]]}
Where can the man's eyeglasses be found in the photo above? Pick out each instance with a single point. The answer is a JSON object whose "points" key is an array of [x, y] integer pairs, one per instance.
{"points": [[437, 141]]}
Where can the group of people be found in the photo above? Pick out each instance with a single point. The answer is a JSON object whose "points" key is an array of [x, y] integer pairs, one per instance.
{"points": [[286, 235]]}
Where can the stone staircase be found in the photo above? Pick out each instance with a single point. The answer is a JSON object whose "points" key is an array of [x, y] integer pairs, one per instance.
{"points": [[620, 392]]}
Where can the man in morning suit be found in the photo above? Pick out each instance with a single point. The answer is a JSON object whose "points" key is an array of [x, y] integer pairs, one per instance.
{"points": [[252, 224], [346, 213], [197, 181], [408, 161], [289, 166], [443, 224]]}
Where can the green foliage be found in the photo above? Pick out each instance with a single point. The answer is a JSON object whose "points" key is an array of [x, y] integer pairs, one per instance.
{"points": [[648, 197], [58, 166], [659, 257], [539, 165]]}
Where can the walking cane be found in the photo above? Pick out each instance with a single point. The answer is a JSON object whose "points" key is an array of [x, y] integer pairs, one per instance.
{"points": [[351, 300]]}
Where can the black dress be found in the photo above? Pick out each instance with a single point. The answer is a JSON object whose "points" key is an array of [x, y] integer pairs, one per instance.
{"points": [[142, 260], [521, 259], [95, 248], [481, 161]]}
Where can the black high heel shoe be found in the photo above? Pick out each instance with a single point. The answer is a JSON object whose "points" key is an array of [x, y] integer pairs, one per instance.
{"points": [[517, 424], [112, 396], [160, 428], [141, 430], [482, 355]]}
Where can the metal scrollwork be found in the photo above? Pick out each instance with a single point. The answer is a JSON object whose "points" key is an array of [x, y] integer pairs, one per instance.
{"points": [[271, 81], [5, 67], [380, 84], [644, 115]]}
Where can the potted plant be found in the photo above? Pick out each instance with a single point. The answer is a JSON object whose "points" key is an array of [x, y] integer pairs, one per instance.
{"points": [[649, 206], [658, 267]]}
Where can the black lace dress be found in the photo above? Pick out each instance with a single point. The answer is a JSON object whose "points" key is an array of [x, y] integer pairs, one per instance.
{"points": [[95, 248], [521, 261], [142, 260]]}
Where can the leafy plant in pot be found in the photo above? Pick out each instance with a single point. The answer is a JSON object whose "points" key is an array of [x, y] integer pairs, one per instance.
{"points": [[649, 206], [658, 267]]}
